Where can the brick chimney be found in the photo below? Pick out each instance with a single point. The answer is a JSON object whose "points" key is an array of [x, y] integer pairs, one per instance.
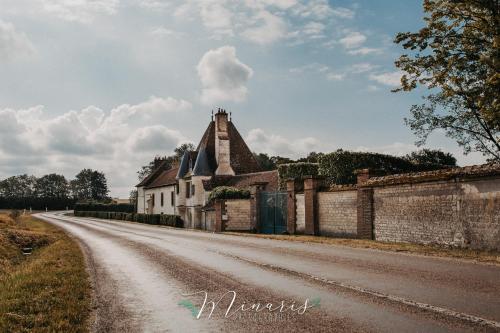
{"points": [[222, 152]]}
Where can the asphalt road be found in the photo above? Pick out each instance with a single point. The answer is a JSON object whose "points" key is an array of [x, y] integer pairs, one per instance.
{"points": [[155, 279]]}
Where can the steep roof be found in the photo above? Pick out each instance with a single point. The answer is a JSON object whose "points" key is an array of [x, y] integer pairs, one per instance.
{"points": [[152, 176], [165, 178], [241, 157]]}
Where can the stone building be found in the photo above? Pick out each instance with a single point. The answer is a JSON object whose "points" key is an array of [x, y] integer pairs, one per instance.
{"points": [[222, 158]]}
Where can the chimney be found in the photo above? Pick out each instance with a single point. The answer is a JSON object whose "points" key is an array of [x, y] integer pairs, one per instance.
{"points": [[222, 152]]}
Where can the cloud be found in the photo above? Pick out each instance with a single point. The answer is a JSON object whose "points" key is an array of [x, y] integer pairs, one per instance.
{"points": [[83, 11], [365, 51], [223, 76], [362, 67], [273, 144], [269, 28], [118, 141], [392, 79], [321, 9], [317, 68], [335, 77], [352, 40], [165, 32], [13, 44]]}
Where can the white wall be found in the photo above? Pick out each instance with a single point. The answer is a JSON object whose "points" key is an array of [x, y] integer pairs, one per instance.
{"points": [[167, 207], [141, 206]]}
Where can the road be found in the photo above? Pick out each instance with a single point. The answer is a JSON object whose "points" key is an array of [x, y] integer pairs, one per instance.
{"points": [[155, 279]]}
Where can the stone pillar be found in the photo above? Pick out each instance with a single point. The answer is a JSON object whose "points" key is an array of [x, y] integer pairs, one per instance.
{"points": [[219, 211], [254, 207], [311, 186], [365, 206], [291, 188]]}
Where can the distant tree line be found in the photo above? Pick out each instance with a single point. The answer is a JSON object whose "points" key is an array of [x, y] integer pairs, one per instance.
{"points": [[52, 191]]}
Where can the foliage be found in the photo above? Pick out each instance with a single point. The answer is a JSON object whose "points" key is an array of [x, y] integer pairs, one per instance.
{"points": [[52, 186], [264, 161], [313, 157], [296, 171], [36, 203], [156, 219], [456, 56], [133, 197], [146, 170], [228, 192], [338, 167], [431, 157], [100, 207], [90, 185]]}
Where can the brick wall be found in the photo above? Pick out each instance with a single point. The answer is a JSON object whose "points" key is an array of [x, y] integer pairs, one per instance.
{"points": [[458, 213], [238, 215], [300, 214], [337, 213]]}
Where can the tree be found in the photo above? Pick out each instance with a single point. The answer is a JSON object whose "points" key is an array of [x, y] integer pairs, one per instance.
{"points": [[90, 185], [146, 170], [456, 56], [52, 186], [22, 186], [264, 161], [431, 157]]}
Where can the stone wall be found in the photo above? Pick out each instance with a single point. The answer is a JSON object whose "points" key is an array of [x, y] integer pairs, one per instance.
{"points": [[456, 213], [337, 213], [300, 214], [238, 213]]}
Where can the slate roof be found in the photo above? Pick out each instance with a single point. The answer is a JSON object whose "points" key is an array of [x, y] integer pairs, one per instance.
{"points": [[267, 178], [165, 178]]}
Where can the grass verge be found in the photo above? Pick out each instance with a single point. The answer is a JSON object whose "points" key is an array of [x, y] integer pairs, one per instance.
{"points": [[491, 257], [48, 290]]}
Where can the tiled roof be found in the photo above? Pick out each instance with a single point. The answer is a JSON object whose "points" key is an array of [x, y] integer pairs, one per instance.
{"points": [[484, 170], [146, 181], [269, 178], [241, 157], [167, 177]]}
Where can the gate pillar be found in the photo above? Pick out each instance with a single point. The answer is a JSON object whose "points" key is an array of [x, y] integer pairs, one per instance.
{"points": [[291, 188], [311, 186]]}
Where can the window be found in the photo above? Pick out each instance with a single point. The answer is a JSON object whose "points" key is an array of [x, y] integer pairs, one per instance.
{"points": [[152, 200], [172, 198], [192, 189], [188, 190], [177, 188], [161, 199]]}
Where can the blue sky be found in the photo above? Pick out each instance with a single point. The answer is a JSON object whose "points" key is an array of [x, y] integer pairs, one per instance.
{"points": [[108, 84]]}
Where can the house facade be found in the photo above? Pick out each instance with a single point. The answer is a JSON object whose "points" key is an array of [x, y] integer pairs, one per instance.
{"points": [[222, 158]]}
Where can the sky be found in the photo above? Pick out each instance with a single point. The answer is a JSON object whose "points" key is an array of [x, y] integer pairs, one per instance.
{"points": [[109, 84]]}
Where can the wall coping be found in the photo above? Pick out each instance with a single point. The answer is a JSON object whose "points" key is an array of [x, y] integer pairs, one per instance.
{"points": [[473, 171], [340, 188]]}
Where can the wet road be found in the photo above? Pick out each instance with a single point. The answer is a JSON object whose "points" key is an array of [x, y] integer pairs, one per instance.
{"points": [[155, 279]]}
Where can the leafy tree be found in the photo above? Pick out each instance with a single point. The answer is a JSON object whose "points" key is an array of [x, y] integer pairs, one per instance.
{"points": [[133, 197], [431, 157], [146, 170], [277, 160], [456, 56], [90, 185], [313, 157], [264, 161], [52, 186], [22, 186]]}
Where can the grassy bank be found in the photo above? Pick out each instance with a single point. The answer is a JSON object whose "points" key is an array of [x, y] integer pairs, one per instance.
{"points": [[491, 257], [46, 291]]}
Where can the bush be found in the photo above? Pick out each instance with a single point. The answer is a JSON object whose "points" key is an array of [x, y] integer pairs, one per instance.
{"points": [[296, 171], [36, 203], [100, 207], [156, 219], [338, 167], [228, 192]]}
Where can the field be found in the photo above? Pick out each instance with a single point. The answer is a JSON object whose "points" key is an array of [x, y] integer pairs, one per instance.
{"points": [[47, 290]]}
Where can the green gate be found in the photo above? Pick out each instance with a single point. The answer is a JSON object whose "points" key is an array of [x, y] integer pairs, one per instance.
{"points": [[273, 212]]}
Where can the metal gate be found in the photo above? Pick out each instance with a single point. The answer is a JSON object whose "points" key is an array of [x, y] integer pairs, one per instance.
{"points": [[273, 212]]}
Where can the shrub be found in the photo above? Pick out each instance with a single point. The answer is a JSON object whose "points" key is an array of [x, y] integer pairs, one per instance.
{"points": [[227, 192], [156, 219], [100, 207], [296, 171]]}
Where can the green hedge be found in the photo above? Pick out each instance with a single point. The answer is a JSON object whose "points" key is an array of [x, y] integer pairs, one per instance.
{"points": [[338, 167], [157, 219], [100, 207], [296, 171], [227, 192]]}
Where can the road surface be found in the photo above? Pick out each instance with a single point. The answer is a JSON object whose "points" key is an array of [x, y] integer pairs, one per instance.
{"points": [[156, 279]]}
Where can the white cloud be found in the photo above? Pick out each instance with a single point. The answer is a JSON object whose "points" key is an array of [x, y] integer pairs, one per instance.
{"points": [[273, 144], [13, 44], [335, 77], [362, 67], [352, 40], [269, 28], [321, 9], [83, 11], [216, 16], [164, 32], [223, 76], [117, 142], [365, 51], [392, 79]]}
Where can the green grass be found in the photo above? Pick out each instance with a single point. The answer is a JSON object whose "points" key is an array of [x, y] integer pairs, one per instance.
{"points": [[47, 291]]}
